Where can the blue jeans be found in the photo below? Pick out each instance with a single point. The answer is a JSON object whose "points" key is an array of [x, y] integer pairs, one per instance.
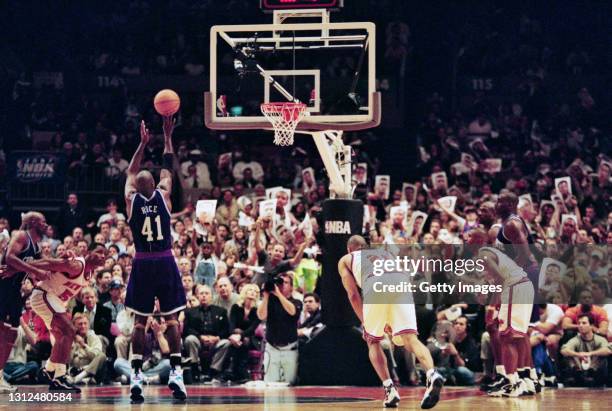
{"points": [[123, 367], [15, 371], [462, 375]]}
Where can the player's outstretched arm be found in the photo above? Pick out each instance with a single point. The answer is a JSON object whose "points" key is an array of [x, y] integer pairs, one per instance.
{"points": [[134, 167], [165, 178], [71, 267], [348, 281]]}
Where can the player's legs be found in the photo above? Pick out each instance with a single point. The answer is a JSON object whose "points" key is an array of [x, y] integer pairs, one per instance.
{"points": [[375, 318], [378, 360], [173, 335], [403, 322], [138, 343]]}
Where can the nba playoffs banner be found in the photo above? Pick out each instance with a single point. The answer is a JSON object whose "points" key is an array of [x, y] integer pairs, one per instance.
{"points": [[36, 167]]}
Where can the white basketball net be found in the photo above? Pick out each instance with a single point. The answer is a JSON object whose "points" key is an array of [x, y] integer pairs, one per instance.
{"points": [[284, 118]]}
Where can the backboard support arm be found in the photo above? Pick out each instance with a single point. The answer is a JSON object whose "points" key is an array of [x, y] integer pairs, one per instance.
{"points": [[336, 158]]}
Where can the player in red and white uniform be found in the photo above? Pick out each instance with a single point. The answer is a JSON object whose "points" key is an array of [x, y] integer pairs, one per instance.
{"points": [[513, 317], [49, 299], [376, 318]]}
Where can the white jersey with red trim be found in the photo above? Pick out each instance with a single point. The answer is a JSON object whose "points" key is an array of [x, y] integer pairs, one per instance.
{"points": [[62, 286], [372, 255], [509, 269]]}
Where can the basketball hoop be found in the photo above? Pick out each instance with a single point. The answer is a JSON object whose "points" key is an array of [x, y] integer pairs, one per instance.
{"points": [[284, 118]]}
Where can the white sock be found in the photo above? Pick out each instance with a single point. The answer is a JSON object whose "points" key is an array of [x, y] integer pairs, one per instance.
{"points": [[80, 377], [430, 372], [387, 383], [60, 370], [500, 369]]}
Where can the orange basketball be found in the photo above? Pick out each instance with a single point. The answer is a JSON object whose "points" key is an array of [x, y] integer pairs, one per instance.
{"points": [[167, 102]]}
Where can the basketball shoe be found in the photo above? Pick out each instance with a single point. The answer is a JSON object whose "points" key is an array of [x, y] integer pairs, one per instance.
{"points": [[177, 385], [5, 387], [62, 384], [434, 385], [392, 397], [510, 390], [136, 380]]}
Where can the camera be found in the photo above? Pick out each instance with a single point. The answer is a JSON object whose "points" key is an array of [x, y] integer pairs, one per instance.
{"points": [[271, 282]]}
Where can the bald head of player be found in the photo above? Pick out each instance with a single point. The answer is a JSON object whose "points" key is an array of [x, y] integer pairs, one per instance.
{"points": [[356, 243], [35, 221], [506, 205], [145, 183]]}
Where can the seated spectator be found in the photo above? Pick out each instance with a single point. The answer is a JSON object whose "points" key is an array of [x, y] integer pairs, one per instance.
{"points": [[125, 325], [448, 360], [243, 323], [587, 354], [115, 240], [99, 317], [188, 284], [103, 280], [112, 216], [225, 297], [206, 328], [311, 316], [18, 369], [116, 164], [184, 265], [87, 356], [115, 304], [155, 368], [599, 317], [548, 330]]}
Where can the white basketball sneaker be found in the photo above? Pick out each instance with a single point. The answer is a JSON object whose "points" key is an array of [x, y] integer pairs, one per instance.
{"points": [[432, 392], [5, 387], [177, 385], [392, 397], [136, 381]]}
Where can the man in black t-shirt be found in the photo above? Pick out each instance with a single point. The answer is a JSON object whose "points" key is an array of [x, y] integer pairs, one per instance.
{"points": [[281, 313], [275, 262]]}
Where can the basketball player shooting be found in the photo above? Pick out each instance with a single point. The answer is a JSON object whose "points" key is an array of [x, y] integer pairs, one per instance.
{"points": [[21, 251], [154, 271], [49, 298], [376, 318]]}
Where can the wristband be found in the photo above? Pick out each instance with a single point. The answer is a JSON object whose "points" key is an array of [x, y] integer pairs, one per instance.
{"points": [[168, 161]]}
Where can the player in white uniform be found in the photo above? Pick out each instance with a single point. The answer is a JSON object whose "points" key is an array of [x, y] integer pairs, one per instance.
{"points": [[49, 299], [513, 317], [376, 318]]}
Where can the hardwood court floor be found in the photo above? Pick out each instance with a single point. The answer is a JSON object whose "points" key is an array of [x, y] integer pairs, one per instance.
{"points": [[313, 398]]}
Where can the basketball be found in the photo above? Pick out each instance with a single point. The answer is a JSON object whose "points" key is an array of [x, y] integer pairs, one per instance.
{"points": [[167, 102]]}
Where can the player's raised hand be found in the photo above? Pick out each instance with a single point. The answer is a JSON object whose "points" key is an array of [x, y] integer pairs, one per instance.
{"points": [[145, 136], [169, 123]]}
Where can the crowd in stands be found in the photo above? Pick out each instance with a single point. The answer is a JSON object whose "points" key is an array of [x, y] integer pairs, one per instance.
{"points": [[554, 156]]}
